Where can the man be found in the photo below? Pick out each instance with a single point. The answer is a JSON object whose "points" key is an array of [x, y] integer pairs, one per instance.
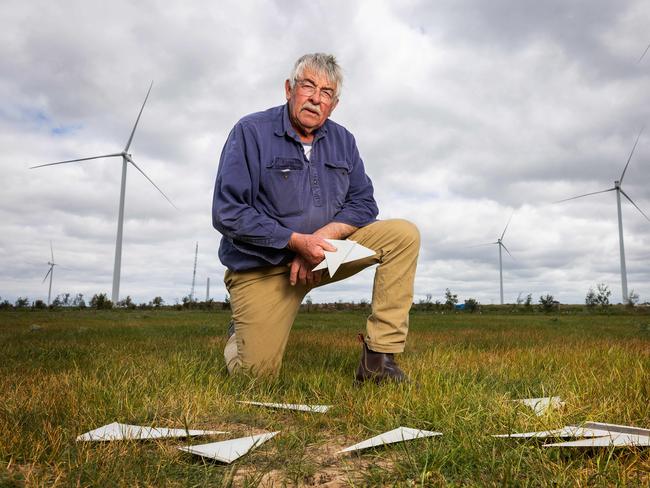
{"points": [[288, 179]]}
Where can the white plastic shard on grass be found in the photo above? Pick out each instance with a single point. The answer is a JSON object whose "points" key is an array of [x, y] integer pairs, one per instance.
{"points": [[542, 405], [346, 251], [568, 431], [615, 436], [118, 432], [228, 451], [397, 435], [291, 406]]}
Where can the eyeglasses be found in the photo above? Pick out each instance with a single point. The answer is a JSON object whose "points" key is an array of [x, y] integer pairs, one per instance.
{"points": [[307, 88]]}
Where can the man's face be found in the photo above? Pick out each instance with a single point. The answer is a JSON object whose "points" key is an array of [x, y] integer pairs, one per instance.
{"points": [[311, 101]]}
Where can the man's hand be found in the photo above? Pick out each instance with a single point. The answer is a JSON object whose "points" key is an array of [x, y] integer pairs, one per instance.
{"points": [[302, 273], [310, 251]]}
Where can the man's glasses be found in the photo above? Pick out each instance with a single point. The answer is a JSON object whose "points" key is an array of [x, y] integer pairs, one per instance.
{"points": [[307, 88]]}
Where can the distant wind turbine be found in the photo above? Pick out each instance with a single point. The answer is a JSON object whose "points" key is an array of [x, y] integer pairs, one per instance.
{"points": [[619, 190], [644, 53], [50, 272], [500, 243], [126, 157]]}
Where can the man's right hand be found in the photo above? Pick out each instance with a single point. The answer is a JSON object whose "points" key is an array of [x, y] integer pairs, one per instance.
{"points": [[310, 247], [310, 251]]}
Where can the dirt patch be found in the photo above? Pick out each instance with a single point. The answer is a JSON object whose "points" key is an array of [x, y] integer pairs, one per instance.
{"points": [[330, 470]]}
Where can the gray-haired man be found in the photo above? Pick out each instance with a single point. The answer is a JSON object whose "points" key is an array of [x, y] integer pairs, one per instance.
{"points": [[288, 179]]}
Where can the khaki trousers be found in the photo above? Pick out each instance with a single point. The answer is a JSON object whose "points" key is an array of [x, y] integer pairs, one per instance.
{"points": [[264, 304]]}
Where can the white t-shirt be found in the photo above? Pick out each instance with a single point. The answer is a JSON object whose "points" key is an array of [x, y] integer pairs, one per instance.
{"points": [[307, 149]]}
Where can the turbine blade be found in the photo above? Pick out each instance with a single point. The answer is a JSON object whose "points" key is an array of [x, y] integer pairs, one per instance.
{"points": [[128, 158], [47, 274], [52, 251], [128, 144], [481, 245], [630, 157], [644, 53], [75, 160], [506, 228], [635, 205], [504, 247], [585, 195]]}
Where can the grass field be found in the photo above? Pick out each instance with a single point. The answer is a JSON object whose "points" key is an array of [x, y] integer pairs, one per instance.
{"points": [[66, 372]]}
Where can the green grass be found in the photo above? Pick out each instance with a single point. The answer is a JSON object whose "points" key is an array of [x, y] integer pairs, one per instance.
{"points": [[84, 369]]}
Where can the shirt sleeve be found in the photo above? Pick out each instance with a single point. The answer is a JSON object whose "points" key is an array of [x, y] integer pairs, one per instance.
{"points": [[360, 207], [233, 212]]}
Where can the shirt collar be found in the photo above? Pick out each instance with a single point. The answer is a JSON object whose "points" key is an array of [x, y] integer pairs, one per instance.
{"points": [[285, 127]]}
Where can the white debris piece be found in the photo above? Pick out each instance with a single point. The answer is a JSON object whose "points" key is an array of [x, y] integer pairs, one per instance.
{"points": [[542, 405], [568, 431], [118, 432], [597, 434], [228, 451], [397, 435], [614, 436], [346, 251], [291, 406]]}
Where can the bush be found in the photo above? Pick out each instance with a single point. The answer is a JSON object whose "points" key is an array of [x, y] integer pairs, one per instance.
{"points": [[547, 303], [471, 305], [101, 302], [450, 299], [22, 302]]}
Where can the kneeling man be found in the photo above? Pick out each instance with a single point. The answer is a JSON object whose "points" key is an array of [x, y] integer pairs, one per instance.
{"points": [[288, 179]]}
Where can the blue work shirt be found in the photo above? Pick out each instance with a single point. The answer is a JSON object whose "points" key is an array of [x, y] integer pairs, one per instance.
{"points": [[266, 188]]}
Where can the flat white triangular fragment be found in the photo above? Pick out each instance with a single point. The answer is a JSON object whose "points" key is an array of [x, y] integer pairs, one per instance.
{"points": [[117, 432], [397, 435], [611, 440], [228, 451], [291, 406], [346, 251], [542, 405], [568, 431]]}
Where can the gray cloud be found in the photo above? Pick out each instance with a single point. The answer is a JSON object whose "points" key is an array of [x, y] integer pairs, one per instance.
{"points": [[465, 112]]}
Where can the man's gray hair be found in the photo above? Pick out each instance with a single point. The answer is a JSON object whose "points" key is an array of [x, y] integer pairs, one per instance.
{"points": [[321, 63]]}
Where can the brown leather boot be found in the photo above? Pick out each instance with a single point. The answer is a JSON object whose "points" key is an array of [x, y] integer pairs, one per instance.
{"points": [[378, 367]]}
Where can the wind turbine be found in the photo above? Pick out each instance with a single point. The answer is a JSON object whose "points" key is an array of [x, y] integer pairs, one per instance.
{"points": [[126, 158], [619, 190], [500, 243], [50, 272]]}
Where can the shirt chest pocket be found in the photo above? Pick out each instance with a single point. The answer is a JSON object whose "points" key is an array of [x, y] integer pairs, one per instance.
{"points": [[338, 180], [284, 183]]}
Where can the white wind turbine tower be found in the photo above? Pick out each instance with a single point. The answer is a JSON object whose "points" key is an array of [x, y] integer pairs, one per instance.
{"points": [[126, 158], [619, 190], [500, 243], [50, 272]]}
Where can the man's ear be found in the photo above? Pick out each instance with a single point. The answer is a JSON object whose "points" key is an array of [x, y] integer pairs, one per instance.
{"points": [[287, 89]]}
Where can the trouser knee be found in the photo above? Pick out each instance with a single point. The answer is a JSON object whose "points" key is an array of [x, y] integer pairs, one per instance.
{"points": [[408, 233]]}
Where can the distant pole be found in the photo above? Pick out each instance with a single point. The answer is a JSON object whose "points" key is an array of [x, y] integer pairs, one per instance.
{"points": [[617, 185], [207, 291], [196, 253], [115, 295], [500, 273]]}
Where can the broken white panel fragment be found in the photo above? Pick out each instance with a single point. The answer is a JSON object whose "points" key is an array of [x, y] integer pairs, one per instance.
{"points": [[397, 435], [346, 251], [542, 405], [568, 431], [615, 436], [228, 451], [291, 406], [118, 432]]}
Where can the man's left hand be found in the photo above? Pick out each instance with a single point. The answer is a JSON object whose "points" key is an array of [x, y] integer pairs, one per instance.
{"points": [[302, 273]]}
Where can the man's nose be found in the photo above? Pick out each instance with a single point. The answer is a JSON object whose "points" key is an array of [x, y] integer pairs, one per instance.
{"points": [[315, 97]]}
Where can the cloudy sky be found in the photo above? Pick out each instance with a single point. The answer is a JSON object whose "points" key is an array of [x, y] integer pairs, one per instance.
{"points": [[466, 113]]}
